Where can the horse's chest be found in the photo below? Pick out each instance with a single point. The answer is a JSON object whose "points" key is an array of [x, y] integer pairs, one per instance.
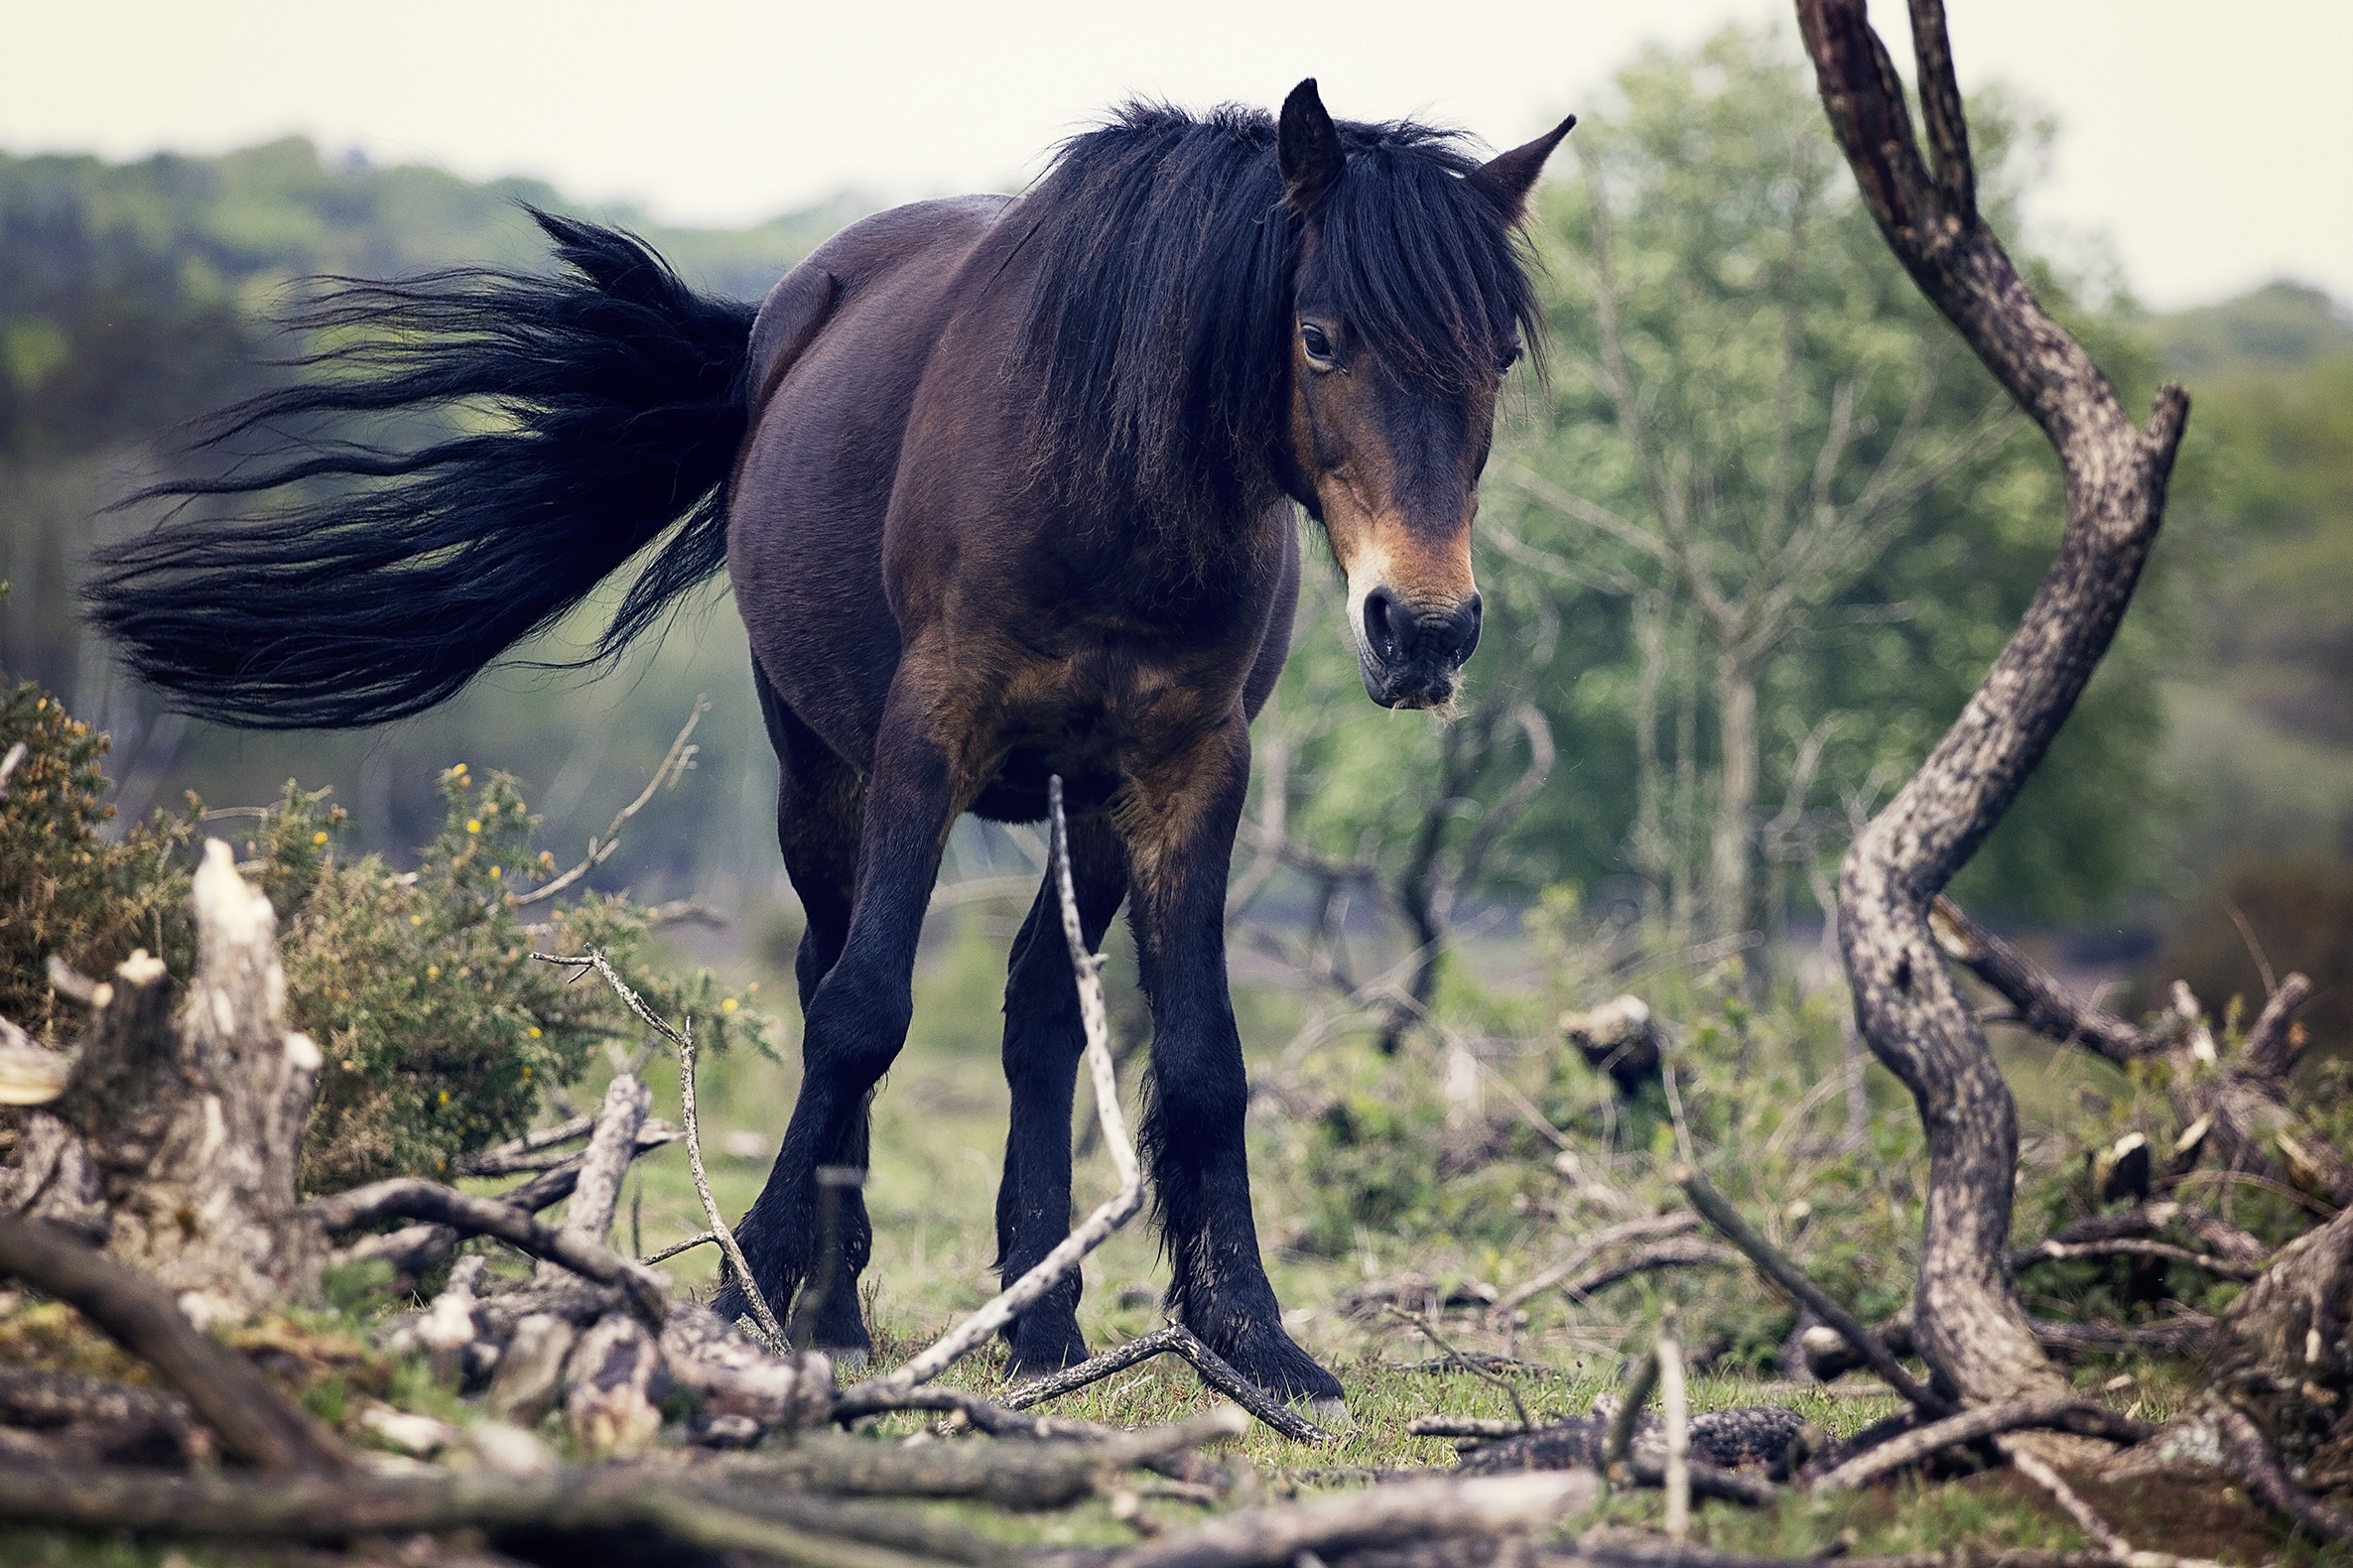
{"points": [[1096, 718]]}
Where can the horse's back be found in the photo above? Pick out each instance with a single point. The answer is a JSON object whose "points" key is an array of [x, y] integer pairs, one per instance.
{"points": [[839, 350]]}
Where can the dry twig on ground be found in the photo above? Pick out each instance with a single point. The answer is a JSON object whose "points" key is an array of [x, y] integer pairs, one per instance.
{"points": [[1108, 1217]]}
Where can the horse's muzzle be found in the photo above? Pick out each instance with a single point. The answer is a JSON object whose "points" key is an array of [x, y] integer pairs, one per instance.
{"points": [[1410, 656]]}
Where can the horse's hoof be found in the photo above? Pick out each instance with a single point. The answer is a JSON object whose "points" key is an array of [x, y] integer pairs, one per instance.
{"points": [[1332, 1415], [847, 1359]]}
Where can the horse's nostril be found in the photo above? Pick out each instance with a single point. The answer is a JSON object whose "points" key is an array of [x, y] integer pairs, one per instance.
{"points": [[1381, 624], [1467, 634]]}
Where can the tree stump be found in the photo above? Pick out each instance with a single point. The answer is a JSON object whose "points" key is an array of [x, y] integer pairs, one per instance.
{"points": [[193, 1129]]}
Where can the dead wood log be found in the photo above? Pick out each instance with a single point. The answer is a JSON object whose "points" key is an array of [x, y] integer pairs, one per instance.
{"points": [[417, 1249], [735, 1377], [590, 1512], [617, 1377], [254, 1423], [1390, 1516], [53, 1179], [1008, 1473], [1618, 1038], [2042, 1413], [2239, 1107], [530, 1371], [35, 1397], [412, 1198], [1969, 1323], [596, 1192]]}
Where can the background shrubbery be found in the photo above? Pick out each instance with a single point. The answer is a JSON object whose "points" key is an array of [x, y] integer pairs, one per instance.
{"points": [[440, 1030]]}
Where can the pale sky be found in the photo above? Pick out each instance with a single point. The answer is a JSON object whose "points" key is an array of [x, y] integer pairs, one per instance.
{"points": [[2206, 146]]}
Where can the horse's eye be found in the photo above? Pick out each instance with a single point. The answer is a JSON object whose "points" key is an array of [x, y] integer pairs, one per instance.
{"points": [[1319, 348]]}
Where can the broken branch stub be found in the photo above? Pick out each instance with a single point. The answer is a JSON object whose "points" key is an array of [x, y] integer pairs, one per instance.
{"points": [[195, 1131]]}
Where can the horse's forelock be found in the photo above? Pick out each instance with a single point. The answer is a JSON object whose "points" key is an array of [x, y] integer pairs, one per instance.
{"points": [[1159, 320]]}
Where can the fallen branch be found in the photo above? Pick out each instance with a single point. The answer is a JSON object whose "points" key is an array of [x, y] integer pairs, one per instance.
{"points": [[1057, 1264], [2055, 1251], [254, 1423], [2035, 1468], [1675, 1409], [2044, 1004], [504, 1159], [596, 1191], [1464, 1362], [1389, 1516], [2041, 1414], [2247, 1453], [1173, 1339], [419, 1248], [411, 1198], [1718, 1212]]}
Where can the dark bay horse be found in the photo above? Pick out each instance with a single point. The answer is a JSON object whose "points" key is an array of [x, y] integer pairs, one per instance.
{"points": [[1005, 487]]}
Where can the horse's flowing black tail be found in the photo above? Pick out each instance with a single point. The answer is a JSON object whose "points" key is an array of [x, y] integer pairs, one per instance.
{"points": [[578, 418]]}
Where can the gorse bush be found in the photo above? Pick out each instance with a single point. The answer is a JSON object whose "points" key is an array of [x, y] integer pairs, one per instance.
{"points": [[439, 1027], [64, 887]]}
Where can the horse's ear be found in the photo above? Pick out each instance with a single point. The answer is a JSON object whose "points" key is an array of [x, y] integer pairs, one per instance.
{"points": [[1507, 177], [1307, 149]]}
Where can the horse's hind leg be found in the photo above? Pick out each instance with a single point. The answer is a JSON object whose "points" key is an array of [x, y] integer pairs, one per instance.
{"points": [[820, 810], [1177, 822], [1043, 1042], [856, 1015]]}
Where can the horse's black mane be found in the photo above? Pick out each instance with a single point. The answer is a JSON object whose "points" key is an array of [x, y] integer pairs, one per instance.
{"points": [[1161, 316]]}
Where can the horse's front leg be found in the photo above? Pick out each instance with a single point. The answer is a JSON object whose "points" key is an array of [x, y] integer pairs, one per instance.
{"points": [[855, 1023], [1043, 1042], [1179, 818]]}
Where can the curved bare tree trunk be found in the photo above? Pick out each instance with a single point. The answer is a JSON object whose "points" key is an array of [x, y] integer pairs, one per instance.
{"points": [[1966, 1319]]}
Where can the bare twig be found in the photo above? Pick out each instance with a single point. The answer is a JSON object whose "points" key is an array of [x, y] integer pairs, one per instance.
{"points": [[1122, 1207], [1617, 1446], [1464, 1362], [1718, 1212], [754, 1296], [10, 763], [2252, 1457], [676, 1247], [1675, 1409], [596, 959], [416, 1199], [674, 763]]}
